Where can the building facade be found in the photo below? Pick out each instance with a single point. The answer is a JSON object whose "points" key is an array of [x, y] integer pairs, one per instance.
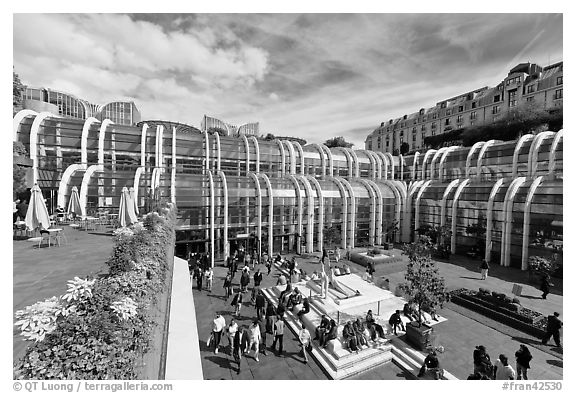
{"points": [[210, 123], [283, 196], [68, 105], [525, 84]]}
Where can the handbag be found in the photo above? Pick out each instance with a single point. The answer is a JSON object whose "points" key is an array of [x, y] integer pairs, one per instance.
{"points": [[209, 341]]}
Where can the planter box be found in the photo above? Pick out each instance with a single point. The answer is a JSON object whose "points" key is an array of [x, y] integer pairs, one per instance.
{"points": [[498, 316], [421, 337]]}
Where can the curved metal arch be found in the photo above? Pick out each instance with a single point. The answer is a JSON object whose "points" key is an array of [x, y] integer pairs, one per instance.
{"points": [[256, 149], [443, 160], [321, 156], [481, 156], [137, 175], [143, 144], [84, 186], [63, 186], [173, 169], [376, 168], [355, 161], [375, 209], [291, 156], [18, 117], [489, 214], [211, 230], [298, 190], [206, 151], [309, 214], [348, 159], [508, 205], [426, 155], [247, 150], [380, 210], [402, 165], [384, 161], [330, 160], [417, 204], [254, 176], [534, 150], [459, 190], [101, 137], [432, 164], [160, 143], [34, 130], [391, 159], [517, 148], [449, 188], [351, 212], [526, 224], [224, 182], [344, 196], [414, 165], [320, 196], [552, 160], [301, 153], [471, 152], [283, 156], [84, 139], [218, 151]]}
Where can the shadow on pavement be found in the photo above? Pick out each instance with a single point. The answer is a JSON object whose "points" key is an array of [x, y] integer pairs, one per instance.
{"points": [[220, 361]]}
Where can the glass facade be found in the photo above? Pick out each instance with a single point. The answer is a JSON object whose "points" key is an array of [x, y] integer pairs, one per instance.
{"points": [[277, 196]]}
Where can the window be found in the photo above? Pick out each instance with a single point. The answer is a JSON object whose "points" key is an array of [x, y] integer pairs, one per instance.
{"points": [[472, 123], [443, 105], [433, 131], [447, 122], [460, 126], [530, 89], [434, 116], [448, 112], [461, 108], [558, 80], [433, 126], [512, 98], [423, 128], [460, 119], [423, 136], [473, 115], [497, 98], [387, 143], [558, 94], [473, 104], [530, 99], [495, 109], [414, 137]]}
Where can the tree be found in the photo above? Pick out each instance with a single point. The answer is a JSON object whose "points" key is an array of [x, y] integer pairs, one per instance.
{"points": [[17, 89], [423, 283], [338, 141], [404, 148], [332, 235], [220, 131], [18, 173], [269, 137]]}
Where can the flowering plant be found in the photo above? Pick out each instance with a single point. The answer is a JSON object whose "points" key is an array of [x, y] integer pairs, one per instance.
{"points": [[39, 319], [78, 289], [125, 308]]}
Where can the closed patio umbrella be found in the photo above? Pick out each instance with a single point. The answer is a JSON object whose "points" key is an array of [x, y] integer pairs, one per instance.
{"points": [[132, 196], [126, 215], [74, 207], [37, 215]]}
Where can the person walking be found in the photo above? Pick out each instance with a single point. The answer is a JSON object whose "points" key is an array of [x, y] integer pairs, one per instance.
{"points": [[254, 334], [337, 254], [199, 277], [228, 285], [209, 279], [260, 305], [258, 278], [484, 268], [231, 330], [395, 321], [244, 280], [269, 327], [553, 329], [324, 254], [502, 370], [523, 357], [278, 329], [545, 285], [370, 271], [269, 264], [305, 342], [237, 303], [239, 344], [218, 325], [305, 308]]}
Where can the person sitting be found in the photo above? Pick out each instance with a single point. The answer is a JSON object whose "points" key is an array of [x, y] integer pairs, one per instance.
{"points": [[330, 334], [280, 310], [372, 325], [409, 311], [350, 337], [321, 329], [283, 298], [281, 280], [315, 276], [395, 321], [359, 331], [431, 309], [294, 299], [432, 365], [305, 308], [345, 269]]}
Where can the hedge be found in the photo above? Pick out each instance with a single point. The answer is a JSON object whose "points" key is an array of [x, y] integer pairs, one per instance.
{"points": [[101, 328]]}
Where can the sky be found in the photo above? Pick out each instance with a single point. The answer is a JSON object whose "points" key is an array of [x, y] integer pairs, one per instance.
{"points": [[313, 76]]}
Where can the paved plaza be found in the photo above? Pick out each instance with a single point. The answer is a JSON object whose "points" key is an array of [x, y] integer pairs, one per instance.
{"points": [[41, 273]]}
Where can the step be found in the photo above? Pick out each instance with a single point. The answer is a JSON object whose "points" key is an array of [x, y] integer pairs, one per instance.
{"points": [[410, 360]]}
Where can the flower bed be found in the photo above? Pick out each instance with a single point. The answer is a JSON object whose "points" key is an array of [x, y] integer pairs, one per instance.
{"points": [[508, 313], [376, 256], [102, 327]]}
